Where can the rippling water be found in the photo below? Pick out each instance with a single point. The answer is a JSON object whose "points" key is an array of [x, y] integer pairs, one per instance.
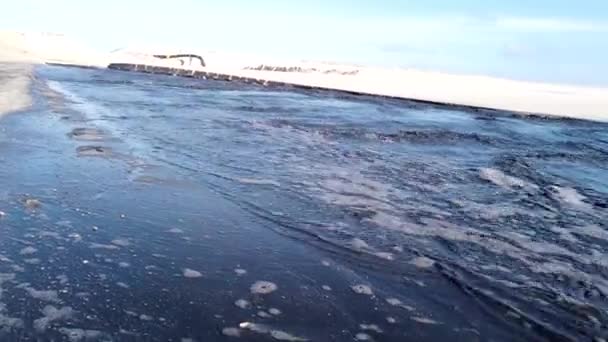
{"points": [[139, 207]]}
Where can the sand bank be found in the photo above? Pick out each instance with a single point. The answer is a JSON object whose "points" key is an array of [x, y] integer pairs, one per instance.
{"points": [[20, 51], [467, 90], [35, 47], [476, 91], [15, 81]]}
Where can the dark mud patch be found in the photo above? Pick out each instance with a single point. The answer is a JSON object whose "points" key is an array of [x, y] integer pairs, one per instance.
{"points": [[94, 151], [87, 134]]}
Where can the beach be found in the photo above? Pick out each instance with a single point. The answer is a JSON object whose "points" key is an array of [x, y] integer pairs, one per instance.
{"points": [[14, 87], [148, 207]]}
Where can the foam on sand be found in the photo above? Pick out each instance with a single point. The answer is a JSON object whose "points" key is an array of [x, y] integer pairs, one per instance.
{"points": [[52, 314], [190, 273], [501, 179], [263, 287], [362, 290]]}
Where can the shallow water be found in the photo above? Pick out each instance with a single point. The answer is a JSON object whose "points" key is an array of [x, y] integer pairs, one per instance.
{"points": [[140, 207]]}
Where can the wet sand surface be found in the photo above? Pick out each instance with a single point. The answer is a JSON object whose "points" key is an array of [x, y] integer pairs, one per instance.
{"points": [[146, 208]]}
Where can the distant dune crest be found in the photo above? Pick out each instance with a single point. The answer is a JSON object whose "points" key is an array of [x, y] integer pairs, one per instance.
{"points": [[300, 69], [473, 91]]}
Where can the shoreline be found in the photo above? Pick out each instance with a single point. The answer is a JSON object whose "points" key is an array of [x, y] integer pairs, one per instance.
{"points": [[247, 77], [473, 92]]}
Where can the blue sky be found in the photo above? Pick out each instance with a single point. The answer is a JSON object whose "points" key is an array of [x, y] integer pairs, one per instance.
{"points": [[548, 40]]}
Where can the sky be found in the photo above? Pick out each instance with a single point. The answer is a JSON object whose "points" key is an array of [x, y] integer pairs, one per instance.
{"points": [[562, 41]]}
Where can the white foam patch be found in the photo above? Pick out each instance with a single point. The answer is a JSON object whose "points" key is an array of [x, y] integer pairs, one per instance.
{"points": [[255, 327], [123, 264], [8, 323], [276, 334], [363, 337], [399, 303], [131, 313], [32, 261], [423, 262], [28, 250], [44, 295], [123, 285], [121, 242], [264, 314], [190, 273], [502, 180], [242, 303], [231, 332], [425, 320], [284, 336], [17, 268], [240, 271], [385, 255], [565, 234], [570, 197], [52, 314], [359, 244], [5, 277], [75, 236], [77, 335], [362, 290], [274, 311], [593, 231], [254, 181], [53, 235], [326, 287], [371, 327], [263, 287], [103, 246], [63, 279], [175, 231]]}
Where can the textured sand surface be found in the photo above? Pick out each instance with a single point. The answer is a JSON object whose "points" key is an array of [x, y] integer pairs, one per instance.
{"points": [[15, 81]]}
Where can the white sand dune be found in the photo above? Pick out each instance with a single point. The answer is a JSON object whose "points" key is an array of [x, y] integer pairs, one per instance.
{"points": [[478, 91], [19, 51], [37, 47]]}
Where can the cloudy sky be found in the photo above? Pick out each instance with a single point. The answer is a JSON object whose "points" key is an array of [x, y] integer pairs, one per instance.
{"points": [[547, 40]]}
